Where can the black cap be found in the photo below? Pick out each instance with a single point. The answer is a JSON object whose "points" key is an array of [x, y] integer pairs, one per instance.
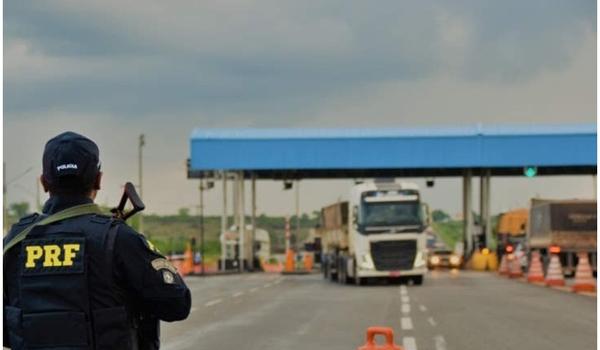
{"points": [[71, 160]]}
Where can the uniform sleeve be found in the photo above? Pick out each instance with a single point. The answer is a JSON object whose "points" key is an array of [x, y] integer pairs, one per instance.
{"points": [[149, 277]]}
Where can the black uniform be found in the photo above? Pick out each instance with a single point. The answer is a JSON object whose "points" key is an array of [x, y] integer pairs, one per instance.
{"points": [[87, 283]]}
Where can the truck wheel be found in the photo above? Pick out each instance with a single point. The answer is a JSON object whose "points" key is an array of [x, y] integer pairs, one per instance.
{"points": [[418, 280], [341, 271], [333, 275]]}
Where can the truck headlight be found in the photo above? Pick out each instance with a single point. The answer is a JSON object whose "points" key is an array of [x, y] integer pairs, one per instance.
{"points": [[366, 262], [434, 260], [454, 260], [420, 260]]}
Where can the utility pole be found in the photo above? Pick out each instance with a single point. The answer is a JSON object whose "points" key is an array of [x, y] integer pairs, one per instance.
{"points": [[296, 244], [5, 204], [38, 202], [224, 222], [201, 187], [142, 142], [253, 240]]}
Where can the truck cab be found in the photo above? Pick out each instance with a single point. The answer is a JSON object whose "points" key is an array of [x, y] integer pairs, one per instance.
{"points": [[385, 234]]}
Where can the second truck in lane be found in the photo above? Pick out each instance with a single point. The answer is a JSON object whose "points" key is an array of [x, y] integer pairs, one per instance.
{"points": [[379, 233]]}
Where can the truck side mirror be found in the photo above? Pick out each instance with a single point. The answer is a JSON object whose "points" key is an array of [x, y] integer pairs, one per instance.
{"points": [[426, 214], [355, 215]]}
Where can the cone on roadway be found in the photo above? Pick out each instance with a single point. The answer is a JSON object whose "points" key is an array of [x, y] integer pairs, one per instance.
{"points": [[289, 261], [554, 276], [584, 280], [388, 333], [515, 268], [503, 270], [536, 272]]}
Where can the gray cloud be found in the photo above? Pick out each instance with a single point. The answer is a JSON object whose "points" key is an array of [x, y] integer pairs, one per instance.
{"points": [[270, 57], [112, 69]]}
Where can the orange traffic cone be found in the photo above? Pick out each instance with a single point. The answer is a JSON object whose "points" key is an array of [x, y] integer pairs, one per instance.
{"points": [[503, 270], [289, 261], [584, 280], [554, 276], [308, 262], [515, 268], [188, 261], [536, 272], [389, 339]]}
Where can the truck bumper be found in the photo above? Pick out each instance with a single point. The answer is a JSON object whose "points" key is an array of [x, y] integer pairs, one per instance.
{"points": [[374, 273]]}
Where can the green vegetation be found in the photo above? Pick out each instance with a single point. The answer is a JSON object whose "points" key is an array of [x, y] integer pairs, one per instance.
{"points": [[439, 216], [171, 233], [449, 231]]}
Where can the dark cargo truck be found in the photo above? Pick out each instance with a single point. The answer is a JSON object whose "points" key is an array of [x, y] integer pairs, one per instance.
{"points": [[566, 227]]}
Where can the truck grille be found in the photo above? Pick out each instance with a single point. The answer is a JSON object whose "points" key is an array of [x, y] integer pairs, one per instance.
{"points": [[394, 255]]}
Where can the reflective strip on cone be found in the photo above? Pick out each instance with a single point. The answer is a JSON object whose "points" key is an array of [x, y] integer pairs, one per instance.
{"points": [[555, 277], [536, 271]]}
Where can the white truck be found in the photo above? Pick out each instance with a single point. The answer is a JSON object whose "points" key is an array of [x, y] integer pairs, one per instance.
{"points": [[379, 233]]}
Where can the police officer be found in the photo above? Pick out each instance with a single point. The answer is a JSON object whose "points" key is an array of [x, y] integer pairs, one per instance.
{"points": [[77, 279]]}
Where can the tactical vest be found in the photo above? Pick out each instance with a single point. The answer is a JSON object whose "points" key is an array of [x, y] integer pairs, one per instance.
{"points": [[68, 298]]}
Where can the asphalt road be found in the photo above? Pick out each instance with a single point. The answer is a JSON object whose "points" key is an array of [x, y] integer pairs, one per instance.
{"points": [[466, 310]]}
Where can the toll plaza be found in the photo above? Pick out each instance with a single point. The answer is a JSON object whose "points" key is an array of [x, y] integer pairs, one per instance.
{"points": [[469, 151]]}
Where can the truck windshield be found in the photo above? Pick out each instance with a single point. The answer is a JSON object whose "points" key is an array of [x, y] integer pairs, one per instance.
{"points": [[391, 214]]}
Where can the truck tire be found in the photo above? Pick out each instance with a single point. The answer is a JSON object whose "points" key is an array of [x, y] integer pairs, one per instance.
{"points": [[418, 280], [342, 275], [332, 261]]}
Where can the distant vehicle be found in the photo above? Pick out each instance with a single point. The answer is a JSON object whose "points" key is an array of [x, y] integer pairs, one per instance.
{"points": [[378, 234], [511, 231], [443, 258], [563, 227]]}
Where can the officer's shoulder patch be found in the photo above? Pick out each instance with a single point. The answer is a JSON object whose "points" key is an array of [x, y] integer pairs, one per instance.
{"points": [[163, 264], [168, 277], [28, 219]]}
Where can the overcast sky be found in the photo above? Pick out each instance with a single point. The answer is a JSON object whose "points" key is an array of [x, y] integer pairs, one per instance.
{"points": [[112, 70]]}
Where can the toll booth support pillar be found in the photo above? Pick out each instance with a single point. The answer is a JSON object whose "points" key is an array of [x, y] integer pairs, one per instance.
{"points": [[235, 201], [224, 222], [242, 221], [484, 206], [253, 236], [467, 212]]}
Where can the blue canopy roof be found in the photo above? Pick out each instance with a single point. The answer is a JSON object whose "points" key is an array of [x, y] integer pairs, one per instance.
{"points": [[292, 153]]}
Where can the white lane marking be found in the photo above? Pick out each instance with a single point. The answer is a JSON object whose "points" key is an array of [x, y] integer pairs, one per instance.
{"points": [[277, 281], [267, 285], [409, 343], [213, 302], [405, 299], [403, 290], [253, 290], [440, 342], [238, 294], [422, 308], [431, 321], [406, 323], [405, 308]]}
